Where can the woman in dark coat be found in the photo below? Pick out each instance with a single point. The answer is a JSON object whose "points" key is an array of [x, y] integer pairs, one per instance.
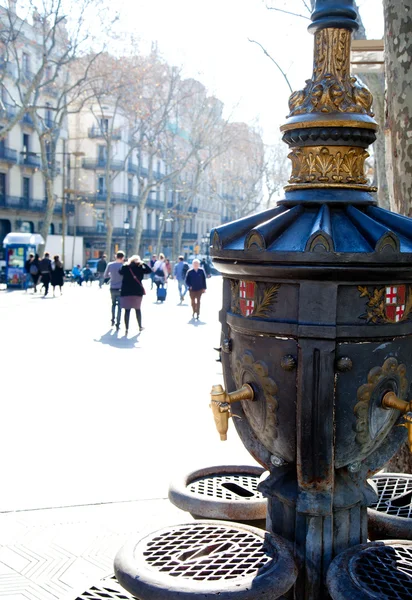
{"points": [[132, 290], [57, 274], [35, 271]]}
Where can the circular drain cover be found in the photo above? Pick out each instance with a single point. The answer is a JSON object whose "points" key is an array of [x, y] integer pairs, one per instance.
{"points": [[391, 516], [106, 589], [376, 570], [224, 492], [208, 557]]}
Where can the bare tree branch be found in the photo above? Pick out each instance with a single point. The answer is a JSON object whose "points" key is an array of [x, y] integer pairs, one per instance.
{"points": [[273, 60]]}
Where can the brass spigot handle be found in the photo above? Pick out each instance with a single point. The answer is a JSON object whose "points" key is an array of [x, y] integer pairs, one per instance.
{"points": [[244, 393], [391, 400], [221, 402]]}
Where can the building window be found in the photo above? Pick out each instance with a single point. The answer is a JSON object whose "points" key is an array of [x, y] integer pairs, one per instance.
{"points": [[49, 116], [26, 188], [26, 227], [102, 154], [130, 187], [26, 63], [101, 186], [51, 229], [104, 125], [2, 185], [26, 144]]}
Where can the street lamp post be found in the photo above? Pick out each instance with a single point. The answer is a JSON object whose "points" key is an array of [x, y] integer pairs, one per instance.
{"points": [[126, 226]]}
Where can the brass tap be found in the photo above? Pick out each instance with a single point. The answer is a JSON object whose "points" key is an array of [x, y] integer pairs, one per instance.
{"points": [[391, 400], [221, 402]]}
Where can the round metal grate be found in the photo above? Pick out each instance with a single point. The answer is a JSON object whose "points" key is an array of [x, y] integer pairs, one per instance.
{"points": [[238, 488], [391, 516], [205, 557], [222, 492], [386, 571], [106, 589], [375, 570], [395, 494]]}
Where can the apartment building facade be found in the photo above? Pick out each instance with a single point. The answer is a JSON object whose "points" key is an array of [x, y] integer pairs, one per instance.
{"points": [[22, 184]]}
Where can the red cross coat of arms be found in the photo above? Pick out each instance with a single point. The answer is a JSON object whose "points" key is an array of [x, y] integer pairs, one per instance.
{"points": [[247, 297], [395, 302]]}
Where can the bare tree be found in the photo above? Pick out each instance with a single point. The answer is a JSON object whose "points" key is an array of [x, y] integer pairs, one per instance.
{"points": [[276, 171], [49, 83]]}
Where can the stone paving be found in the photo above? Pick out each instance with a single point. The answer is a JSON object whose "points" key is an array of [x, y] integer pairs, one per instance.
{"points": [[95, 424]]}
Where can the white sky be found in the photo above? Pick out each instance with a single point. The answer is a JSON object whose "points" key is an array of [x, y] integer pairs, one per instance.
{"points": [[209, 38]]}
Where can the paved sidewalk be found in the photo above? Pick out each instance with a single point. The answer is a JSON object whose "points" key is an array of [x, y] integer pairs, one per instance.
{"points": [[60, 553]]}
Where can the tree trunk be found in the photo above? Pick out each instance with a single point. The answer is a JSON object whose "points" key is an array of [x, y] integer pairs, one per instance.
{"points": [[398, 57], [177, 239], [159, 237], [108, 185], [376, 84], [48, 215], [138, 228]]}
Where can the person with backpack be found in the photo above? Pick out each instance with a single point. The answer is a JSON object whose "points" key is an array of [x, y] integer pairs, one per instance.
{"points": [[180, 272], [31, 267], [45, 269], [160, 276]]}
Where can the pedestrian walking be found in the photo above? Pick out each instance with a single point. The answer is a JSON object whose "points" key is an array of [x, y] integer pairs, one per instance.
{"points": [[101, 268], [152, 264], [27, 276], [196, 282], [180, 272], [132, 290], [34, 270], [45, 272], [57, 274], [160, 271], [168, 268], [113, 272]]}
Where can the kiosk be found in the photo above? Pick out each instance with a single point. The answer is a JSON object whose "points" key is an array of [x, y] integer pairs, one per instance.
{"points": [[18, 246]]}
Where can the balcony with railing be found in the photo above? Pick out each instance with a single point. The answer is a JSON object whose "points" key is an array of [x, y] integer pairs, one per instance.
{"points": [[132, 167], [101, 163], [190, 237], [99, 132], [30, 160], [180, 208], [156, 204], [7, 155], [27, 120], [8, 68], [115, 197], [51, 91], [93, 232], [8, 112], [27, 76]]}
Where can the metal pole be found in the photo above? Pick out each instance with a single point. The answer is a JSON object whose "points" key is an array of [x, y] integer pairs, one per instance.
{"points": [[64, 202]]}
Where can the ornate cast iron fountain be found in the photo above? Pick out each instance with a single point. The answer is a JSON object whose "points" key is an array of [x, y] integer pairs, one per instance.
{"points": [[317, 318]]}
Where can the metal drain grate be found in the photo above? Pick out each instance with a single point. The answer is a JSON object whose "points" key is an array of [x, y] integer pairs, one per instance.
{"points": [[207, 552], [395, 495], [107, 589], [236, 487], [384, 570]]}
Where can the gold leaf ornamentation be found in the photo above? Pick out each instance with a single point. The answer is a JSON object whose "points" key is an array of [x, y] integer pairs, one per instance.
{"points": [[332, 89], [328, 165]]}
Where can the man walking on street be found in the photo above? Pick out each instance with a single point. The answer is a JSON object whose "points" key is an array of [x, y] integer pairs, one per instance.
{"points": [[152, 264], [45, 272], [196, 282], [180, 272], [112, 271], [101, 268]]}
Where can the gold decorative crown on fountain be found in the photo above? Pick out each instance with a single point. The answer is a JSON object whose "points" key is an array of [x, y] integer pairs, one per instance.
{"points": [[330, 123]]}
